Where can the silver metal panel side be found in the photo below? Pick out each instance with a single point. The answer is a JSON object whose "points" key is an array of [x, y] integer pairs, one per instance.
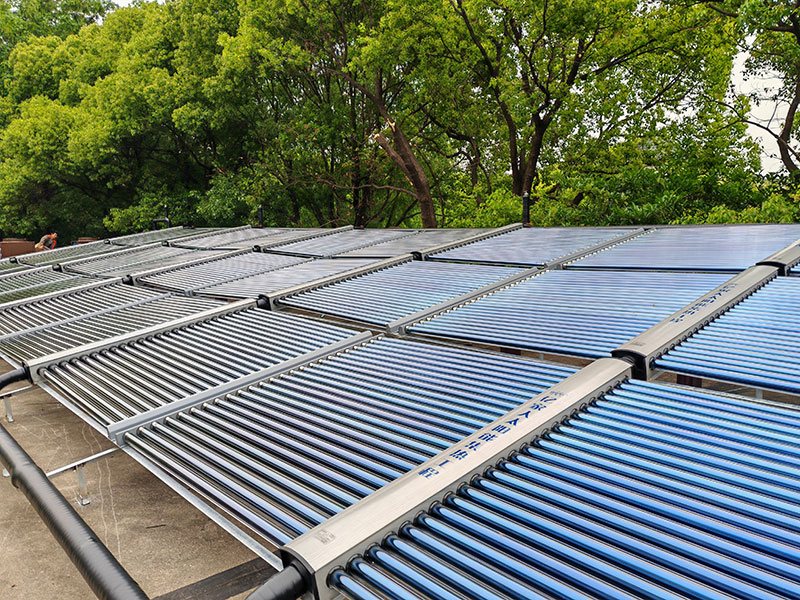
{"points": [[198, 261], [204, 234], [352, 531], [38, 364], [80, 317], [116, 431], [660, 338], [267, 244], [400, 325], [93, 283], [274, 297], [423, 254], [125, 250], [784, 259], [559, 263]]}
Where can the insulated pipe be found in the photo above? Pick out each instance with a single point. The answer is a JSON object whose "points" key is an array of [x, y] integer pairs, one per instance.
{"points": [[526, 209], [13, 376], [288, 584], [96, 564]]}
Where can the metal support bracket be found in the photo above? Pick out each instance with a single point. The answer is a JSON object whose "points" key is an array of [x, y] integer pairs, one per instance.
{"points": [[349, 533], [79, 467], [6, 396], [784, 259], [662, 337]]}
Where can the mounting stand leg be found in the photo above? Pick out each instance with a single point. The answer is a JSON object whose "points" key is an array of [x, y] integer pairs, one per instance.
{"points": [[79, 466], [759, 394], [83, 489], [7, 401]]}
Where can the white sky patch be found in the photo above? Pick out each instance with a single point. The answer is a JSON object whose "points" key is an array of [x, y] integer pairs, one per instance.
{"points": [[767, 111]]}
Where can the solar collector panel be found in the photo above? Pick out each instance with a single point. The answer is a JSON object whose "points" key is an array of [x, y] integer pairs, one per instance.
{"points": [[755, 343], [285, 454], [585, 314], [608, 505], [343, 241], [279, 279], [125, 380], [35, 282], [218, 270], [109, 323], [725, 249], [383, 296], [531, 246]]}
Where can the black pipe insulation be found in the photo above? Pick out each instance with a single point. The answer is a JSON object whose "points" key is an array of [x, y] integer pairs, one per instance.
{"points": [[13, 376], [288, 584], [106, 577], [526, 209]]}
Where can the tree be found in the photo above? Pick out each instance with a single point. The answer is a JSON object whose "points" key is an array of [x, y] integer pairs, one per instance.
{"points": [[541, 66], [774, 28], [330, 40]]}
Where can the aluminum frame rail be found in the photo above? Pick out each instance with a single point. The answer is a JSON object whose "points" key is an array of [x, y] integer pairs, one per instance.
{"points": [[118, 379], [537, 246], [279, 283], [35, 282], [66, 253], [113, 321], [284, 454], [419, 243], [95, 296], [648, 492], [644, 349], [575, 313], [428, 252], [190, 277], [248, 237], [756, 343], [146, 238], [136, 259], [330, 545], [785, 260], [343, 241], [11, 265], [728, 249], [397, 292]]}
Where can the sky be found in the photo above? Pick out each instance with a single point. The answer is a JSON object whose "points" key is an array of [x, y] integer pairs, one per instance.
{"points": [[767, 112]]}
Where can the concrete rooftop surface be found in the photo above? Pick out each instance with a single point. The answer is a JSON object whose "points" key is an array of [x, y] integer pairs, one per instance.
{"points": [[169, 548]]}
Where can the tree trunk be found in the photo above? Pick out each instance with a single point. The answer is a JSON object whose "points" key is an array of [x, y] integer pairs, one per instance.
{"points": [[530, 173], [403, 156], [786, 132]]}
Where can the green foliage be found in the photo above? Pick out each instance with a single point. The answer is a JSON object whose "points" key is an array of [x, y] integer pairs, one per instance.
{"points": [[611, 112]]}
